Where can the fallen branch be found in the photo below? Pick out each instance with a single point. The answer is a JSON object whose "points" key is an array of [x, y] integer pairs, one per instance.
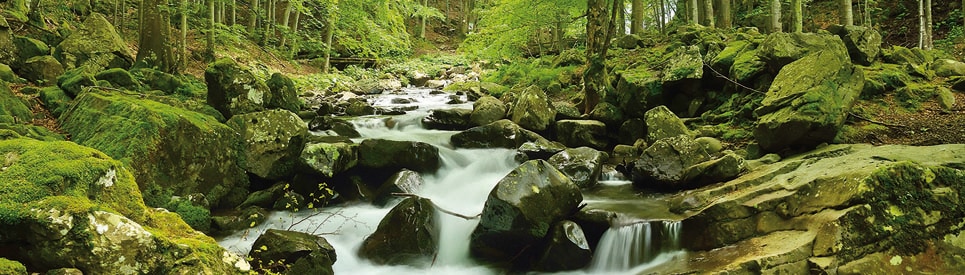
{"points": [[443, 210], [720, 75], [875, 121]]}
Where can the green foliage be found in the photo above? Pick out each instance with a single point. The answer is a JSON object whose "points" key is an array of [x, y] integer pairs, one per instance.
{"points": [[536, 71], [508, 27], [325, 83], [197, 217]]}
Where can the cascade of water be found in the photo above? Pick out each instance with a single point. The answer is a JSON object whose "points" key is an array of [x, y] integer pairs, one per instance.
{"points": [[630, 245]]}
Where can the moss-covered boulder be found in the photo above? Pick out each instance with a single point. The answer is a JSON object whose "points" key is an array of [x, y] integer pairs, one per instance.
{"points": [[157, 80], [8, 49], [69, 205], [566, 249], [533, 110], [407, 235], [637, 89], [500, 134], [234, 90], [666, 164], [283, 93], [12, 267], [94, 46], [172, 151], [393, 155], [808, 102], [864, 43], [403, 182], [12, 108], [662, 123], [455, 119], [884, 78], [273, 141], [119, 78], [43, 70], [576, 133], [487, 110], [328, 159], [582, 165], [685, 64], [607, 113], [16, 130], [341, 127], [540, 149], [28, 47], [276, 249], [520, 211], [780, 49], [7, 74], [74, 81], [748, 65], [726, 57], [948, 68]]}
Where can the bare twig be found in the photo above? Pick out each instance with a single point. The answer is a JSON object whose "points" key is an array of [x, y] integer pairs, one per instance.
{"points": [[443, 210], [720, 75], [875, 121]]}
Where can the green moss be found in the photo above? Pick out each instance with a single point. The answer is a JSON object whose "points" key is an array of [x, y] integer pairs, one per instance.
{"points": [[195, 216], [29, 131], [11, 267], [12, 108]]}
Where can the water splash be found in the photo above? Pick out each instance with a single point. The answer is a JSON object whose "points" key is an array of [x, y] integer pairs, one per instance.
{"points": [[629, 245]]}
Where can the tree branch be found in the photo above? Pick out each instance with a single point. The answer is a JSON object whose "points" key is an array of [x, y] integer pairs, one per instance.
{"points": [[443, 210]]}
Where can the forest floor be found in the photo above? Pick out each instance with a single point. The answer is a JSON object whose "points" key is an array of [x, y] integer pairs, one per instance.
{"points": [[929, 126]]}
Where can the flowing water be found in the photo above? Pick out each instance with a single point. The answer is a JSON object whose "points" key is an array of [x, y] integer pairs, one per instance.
{"points": [[461, 185]]}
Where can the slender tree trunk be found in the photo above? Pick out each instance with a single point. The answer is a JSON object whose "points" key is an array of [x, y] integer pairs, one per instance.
{"points": [[709, 13], [921, 24], [253, 18], [184, 34], [867, 14], [847, 13], [662, 16], [558, 33], [776, 16], [422, 26], [594, 76], [223, 17], [156, 43], [269, 20], [234, 12], [329, 35], [929, 35], [694, 14], [210, 36], [725, 14], [636, 17], [621, 23], [284, 22], [797, 15]]}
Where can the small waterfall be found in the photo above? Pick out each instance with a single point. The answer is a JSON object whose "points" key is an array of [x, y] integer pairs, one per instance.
{"points": [[629, 245]]}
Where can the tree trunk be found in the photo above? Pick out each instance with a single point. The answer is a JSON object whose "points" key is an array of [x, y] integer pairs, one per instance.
{"points": [[155, 43], [847, 13], [725, 14], [329, 35], [253, 18], [929, 35], [184, 34], [284, 22], [662, 16], [797, 15], [921, 24], [422, 26], [636, 17], [269, 20], [210, 35], [709, 13], [234, 12], [694, 14], [776, 16], [594, 76], [621, 23]]}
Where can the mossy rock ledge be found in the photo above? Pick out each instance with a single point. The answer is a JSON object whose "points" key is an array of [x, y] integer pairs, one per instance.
{"points": [[170, 150], [68, 206]]}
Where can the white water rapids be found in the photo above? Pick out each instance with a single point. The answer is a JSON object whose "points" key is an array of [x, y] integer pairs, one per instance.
{"points": [[461, 185]]}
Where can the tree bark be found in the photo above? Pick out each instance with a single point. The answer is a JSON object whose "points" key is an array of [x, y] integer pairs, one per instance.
{"points": [[797, 15], [621, 22], [921, 24], [594, 76], [725, 14], [636, 17], [184, 34], [210, 35], [847, 13], [422, 26], [155, 42], [234, 12], [929, 28], [284, 22], [776, 16], [694, 14], [253, 18], [329, 35], [709, 13], [662, 16]]}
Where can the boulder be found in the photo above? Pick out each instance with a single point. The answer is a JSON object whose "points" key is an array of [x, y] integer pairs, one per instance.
{"points": [[582, 165], [499, 134], [436, 84], [158, 80], [668, 162], [632, 130], [29, 47], [533, 110], [300, 250], [283, 93], [328, 159], [566, 110], [566, 249], [624, 154], [748, 65], [520, 211], [637, 90], [808, 102], [780, 49], [74, 81], [607, 113], [404, 182], [456, 119], [42, 70], [177, 152], [12, 267], [662, 123], [630, 41], [94, 46], [234, 90], [541, 149], [7, 74], [487, 110], [96, 221], [407, 235], [8, 49], [359, 107], [393, 155], [19, 130], [339, 126], [726, 57], [863, 43], [274, 140], [119, 78], [576, 133], [948, 68], [685, 64], [12, 108]]}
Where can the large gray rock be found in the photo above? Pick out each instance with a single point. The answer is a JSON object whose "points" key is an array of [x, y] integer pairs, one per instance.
{"points": [[864, 44], [520, 211], [566, 249], [393, 155], [8, 49], [662, 123], [576, 133], [328, 159], [808, 102], [487, 110], [685, 64], [456, 119], [499, 134], [639, 89], [780, 49], [582, 165], [541, 149], [94, 46], [666, 164], [283, 93], [304, 252], [533, 110], [948, 68], [233, 90], [339, 126], [403, 182], [274, 140], [406, 236], [43, 70]]}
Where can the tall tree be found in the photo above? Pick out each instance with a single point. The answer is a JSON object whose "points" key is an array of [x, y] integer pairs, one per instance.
{"points": [[234, 12], [693, 12], [184, 34], [776, 16], [636, 17], [594, 76], [156, 49], [929, 35], [921, 24], [331, 18], [709, 12], [662, 15], [797, 15], [847, 13], [253, 17], [725, 14], [210, 34]]}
